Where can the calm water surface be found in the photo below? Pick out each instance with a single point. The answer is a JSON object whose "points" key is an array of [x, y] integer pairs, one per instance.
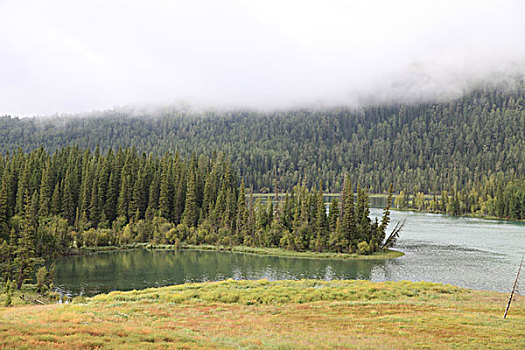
{"points": [[473, 253]]}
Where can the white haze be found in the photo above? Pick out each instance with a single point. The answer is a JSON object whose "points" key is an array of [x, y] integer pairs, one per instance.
{"points": [[73, 56]]}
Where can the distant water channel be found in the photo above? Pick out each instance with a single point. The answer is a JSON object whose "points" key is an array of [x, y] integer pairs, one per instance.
{"points": [[473, 253]]}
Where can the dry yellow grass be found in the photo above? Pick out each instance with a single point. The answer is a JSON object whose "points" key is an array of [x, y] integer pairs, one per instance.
{"points": [[283, 314]]}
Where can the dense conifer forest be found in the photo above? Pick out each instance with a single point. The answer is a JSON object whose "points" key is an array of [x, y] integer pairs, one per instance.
{"points": [[183, 180], [422, 147], [52, 203]]}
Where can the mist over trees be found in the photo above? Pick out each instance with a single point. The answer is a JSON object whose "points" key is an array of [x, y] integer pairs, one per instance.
{"points": [[426, 147]]}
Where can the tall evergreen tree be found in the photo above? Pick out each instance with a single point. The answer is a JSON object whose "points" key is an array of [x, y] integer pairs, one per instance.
{"points": [[25, 256], [190, 215], [46, 190]]}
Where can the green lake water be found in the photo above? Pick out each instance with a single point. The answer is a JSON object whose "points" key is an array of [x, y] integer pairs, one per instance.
{"points": [[473, 253]]}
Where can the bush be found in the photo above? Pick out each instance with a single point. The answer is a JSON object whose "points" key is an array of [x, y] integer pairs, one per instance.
{"points": [[41, 279], [9, 292], [362, 248], [97, 238], [127, 235]]}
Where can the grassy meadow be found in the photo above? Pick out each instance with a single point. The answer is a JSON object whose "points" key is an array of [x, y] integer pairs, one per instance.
{"points": [[275, 315]]}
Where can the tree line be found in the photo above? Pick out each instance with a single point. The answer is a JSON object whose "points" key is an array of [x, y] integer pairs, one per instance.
{"points": [[424, 147], [492, 197], [52, 203]]}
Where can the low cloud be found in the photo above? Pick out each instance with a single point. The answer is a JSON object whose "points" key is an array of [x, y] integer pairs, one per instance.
{"points": [[63, 56]]}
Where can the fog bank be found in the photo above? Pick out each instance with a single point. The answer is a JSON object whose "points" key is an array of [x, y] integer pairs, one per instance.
{"points": [[64, 57]]}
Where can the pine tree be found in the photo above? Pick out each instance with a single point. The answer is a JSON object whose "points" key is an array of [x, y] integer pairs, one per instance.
{"points": [[94, 207], [46, 191], [333, 215], [242, 217], [362, 216], [85, 190], [110, 205], [7, 254], [4, 203], [153, 196], [23, 187], [25, 256], [345, 232], [166, 190], [103, 181], [124, 196], [230, 213], [249, 239], [181, 172], [321, 223], [140, 200], [56, 202], [385, 219], [190, 215], [69, 203]]}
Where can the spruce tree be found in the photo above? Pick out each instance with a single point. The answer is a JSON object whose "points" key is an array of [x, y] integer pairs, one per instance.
{"points": [[22, 187], [4, 203], [139, 198], [124, 196], [166, 190], [345, 232], [56, 201], [153, 196], [385, 219], [110, 205], [25, 255], [321, 224], [69, 204], [242, 217], [94, 207], [190, 215], [46, 191]]}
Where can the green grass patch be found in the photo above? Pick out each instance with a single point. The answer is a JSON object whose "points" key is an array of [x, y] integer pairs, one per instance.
{"points": [[281, 292]]}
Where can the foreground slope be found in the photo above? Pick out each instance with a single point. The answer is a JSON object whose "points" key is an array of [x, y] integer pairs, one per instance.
{"points": [[283, 314]]}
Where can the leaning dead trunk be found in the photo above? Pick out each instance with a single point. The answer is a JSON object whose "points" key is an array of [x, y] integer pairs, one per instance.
{"points": [[514, 287]]}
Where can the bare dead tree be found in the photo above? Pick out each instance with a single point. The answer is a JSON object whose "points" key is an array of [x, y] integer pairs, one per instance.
{"points": [[394, 235], [514, 288]]}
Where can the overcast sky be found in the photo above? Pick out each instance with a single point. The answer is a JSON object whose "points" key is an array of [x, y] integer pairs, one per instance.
{"points": [[73, 56]]}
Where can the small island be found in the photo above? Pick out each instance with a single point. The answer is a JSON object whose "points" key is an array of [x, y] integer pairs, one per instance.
{"points": [[76, 201]]}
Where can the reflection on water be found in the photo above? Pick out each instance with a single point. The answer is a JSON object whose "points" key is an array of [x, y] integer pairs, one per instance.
{"points": [[138, 269], [473, 253]]}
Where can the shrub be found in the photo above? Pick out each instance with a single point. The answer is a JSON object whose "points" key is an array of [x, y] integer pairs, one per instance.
{"points": [[362, 248], [9, 292], [41, 279]]}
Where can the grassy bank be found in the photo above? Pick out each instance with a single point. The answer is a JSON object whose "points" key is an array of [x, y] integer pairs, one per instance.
{"points": [[283, 314], [389, 254], [28, 295]]}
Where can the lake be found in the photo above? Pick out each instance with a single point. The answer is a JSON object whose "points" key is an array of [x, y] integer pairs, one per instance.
{"points": [[468, 252]]}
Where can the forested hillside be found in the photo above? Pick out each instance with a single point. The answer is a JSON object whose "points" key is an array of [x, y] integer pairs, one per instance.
{"points": [[420, 147]]}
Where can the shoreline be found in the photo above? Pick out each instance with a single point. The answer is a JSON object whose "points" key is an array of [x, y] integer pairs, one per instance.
{"points": [[274, 252], [382, 195], [466, 215]]}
